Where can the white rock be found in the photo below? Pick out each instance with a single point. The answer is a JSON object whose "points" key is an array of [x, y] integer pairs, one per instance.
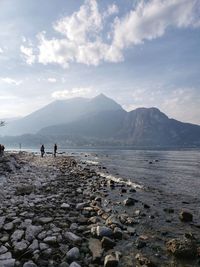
{"points": [[65, 206], [74, 264], [29, 264]]}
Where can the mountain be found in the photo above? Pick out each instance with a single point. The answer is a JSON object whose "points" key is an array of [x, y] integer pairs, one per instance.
{"points": [[140, 127], [60, 112], [100, 121]]}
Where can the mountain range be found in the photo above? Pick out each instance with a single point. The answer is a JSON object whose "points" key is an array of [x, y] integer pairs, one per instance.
{"points": [[100, 121]]}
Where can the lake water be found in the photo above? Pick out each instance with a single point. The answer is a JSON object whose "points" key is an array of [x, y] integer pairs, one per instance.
{"points": [[176, 172]]}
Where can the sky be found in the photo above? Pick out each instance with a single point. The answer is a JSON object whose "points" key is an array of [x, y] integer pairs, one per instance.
{"points": [[141, 53]]}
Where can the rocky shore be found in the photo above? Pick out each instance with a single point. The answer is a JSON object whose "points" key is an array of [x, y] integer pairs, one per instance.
{"points": [[60, 212]]}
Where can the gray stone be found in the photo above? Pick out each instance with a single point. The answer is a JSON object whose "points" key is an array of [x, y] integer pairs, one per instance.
{"points": [[34, 246], [2, 221], [32, 231], [29, 264], [96, 249], [102, 231], [50, 240], [45, 220], [43, 246], [3, 250], [73, 238], [20, 246], [8, 226], [65, 206], [6, 256], [64, 264], [17, 235], [74, 264], [73, 254], [7, 263]]}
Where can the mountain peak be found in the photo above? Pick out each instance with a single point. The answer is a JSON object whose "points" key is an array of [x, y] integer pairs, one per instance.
{"points": [[105, 103]]}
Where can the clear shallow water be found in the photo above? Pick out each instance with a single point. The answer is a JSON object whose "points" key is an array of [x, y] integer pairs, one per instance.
{"points": [[176, 172]]}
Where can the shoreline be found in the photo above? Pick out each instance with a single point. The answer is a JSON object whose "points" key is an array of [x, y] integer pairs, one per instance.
{"points": [[58, 215]]}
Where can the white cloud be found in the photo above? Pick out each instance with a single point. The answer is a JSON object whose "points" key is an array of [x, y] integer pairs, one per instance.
{"points": [[75, 92], [149, 20], [1, 51], [52, 80], [112, 10], [83, 34], [28, 54], [11, 81]]}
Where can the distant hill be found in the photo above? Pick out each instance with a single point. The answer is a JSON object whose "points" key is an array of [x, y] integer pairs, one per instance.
{"points": [[59, 112], [101, 121], [140, 127]]}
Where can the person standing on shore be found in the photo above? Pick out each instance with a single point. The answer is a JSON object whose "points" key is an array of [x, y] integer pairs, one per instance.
{"points": [[42, 150], [55, 150]]}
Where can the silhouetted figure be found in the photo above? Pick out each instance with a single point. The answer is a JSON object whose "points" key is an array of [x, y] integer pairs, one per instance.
{"points": [[55, 150], [42, 151], [2, 148]]}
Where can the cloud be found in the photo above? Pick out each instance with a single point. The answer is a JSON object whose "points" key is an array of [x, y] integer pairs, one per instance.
{"points": [[112, 10], [75, 92], [28, 54], [11, 81], [52, 80], [87, 38], [150, 20], [1, 51]]}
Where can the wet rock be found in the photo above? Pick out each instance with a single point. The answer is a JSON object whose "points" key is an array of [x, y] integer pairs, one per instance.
{"points": [[29, 264], [185, 216], [129, 201], [73, 254], [24, 189], [64, 264], [73, 238], [182, 248], [43, 246], [96, 249], [117, 233], [102, 231], [140, 243], [144, 261], [111, 260], [131, 230], [45, 220], [107, 243], [50, 240]]}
